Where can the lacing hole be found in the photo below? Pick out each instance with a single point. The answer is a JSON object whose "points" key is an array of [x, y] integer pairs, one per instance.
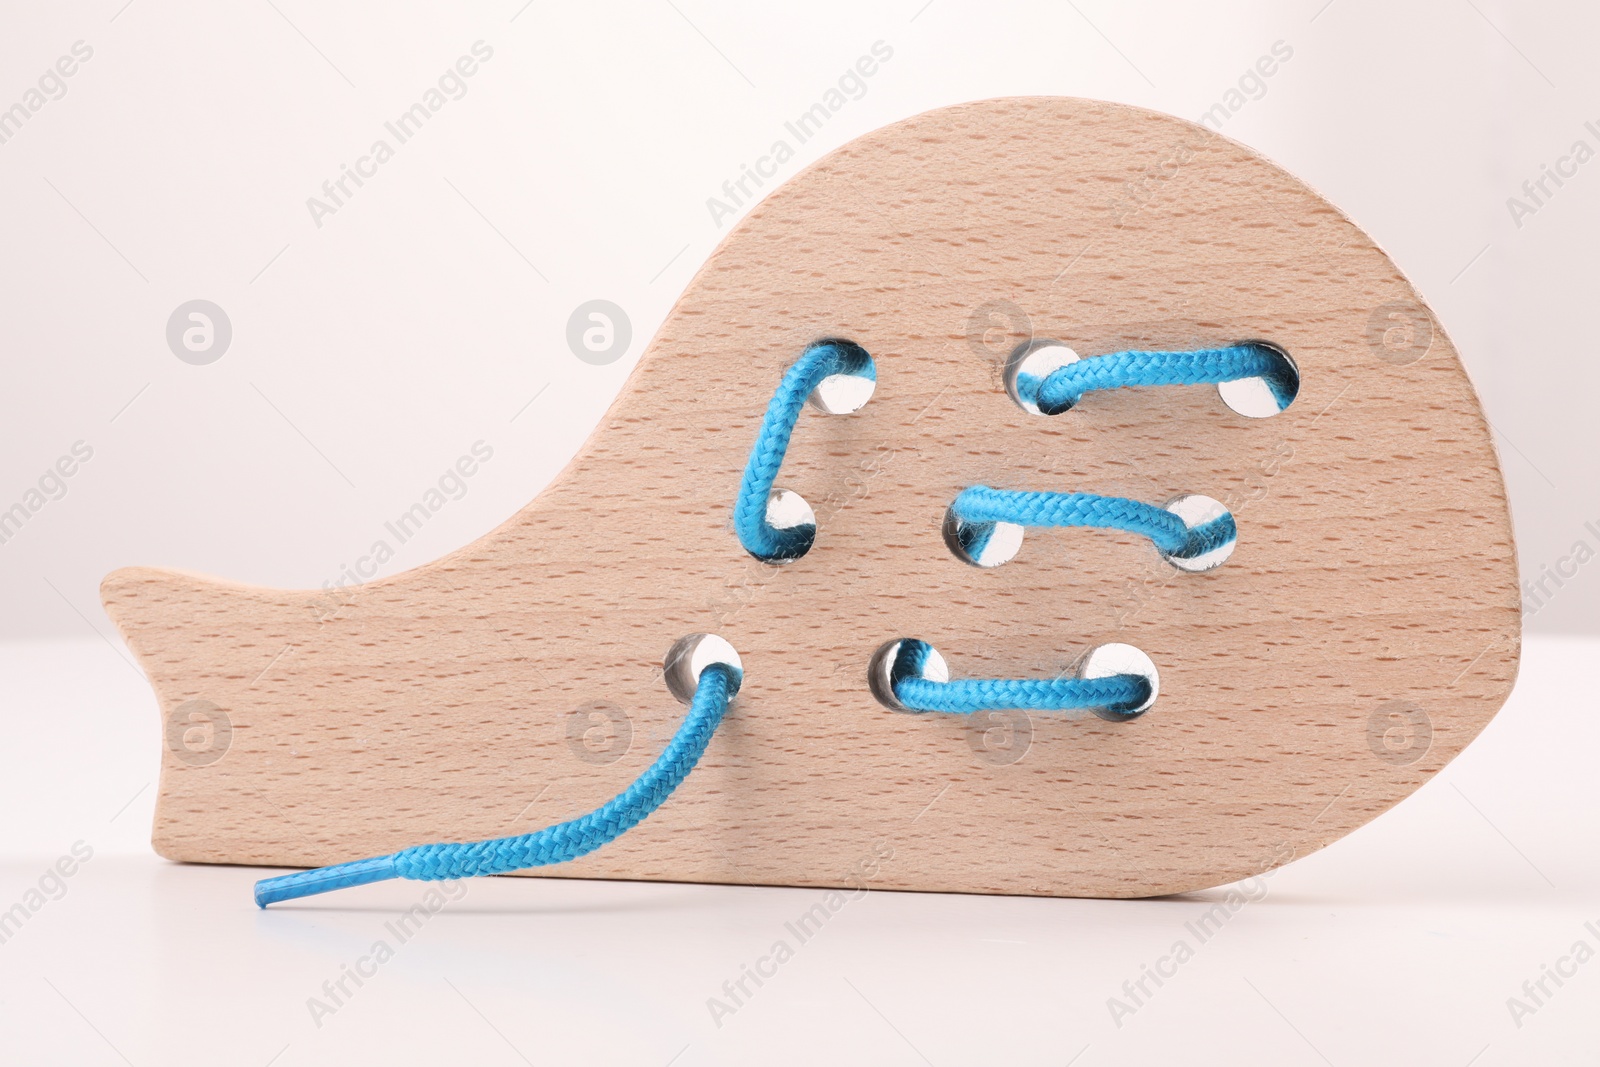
{"points": [[851, 387], [787, 510], [1106, 661], [1029, 365], [691, 655], [1196, 510], [881, 671], [982, 544], [1253, 397]]}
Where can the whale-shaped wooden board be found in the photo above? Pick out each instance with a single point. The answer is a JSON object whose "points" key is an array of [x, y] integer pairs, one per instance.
{"points": [[1365, 629]]}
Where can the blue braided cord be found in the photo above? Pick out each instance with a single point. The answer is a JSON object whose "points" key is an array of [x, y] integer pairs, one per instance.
{"points": [[1116, 693], [910, 659], [324, 880], [974, 537], [1065, 386], [980, 504], [759, 537], [554, 844], [963, 697], [1208, 537]]}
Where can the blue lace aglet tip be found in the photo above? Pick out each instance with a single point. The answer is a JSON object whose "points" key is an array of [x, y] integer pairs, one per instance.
{"points": [[324, 880]]}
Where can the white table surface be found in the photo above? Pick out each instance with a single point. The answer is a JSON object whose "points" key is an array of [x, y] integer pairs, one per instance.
{"points": [[1400, 944]]}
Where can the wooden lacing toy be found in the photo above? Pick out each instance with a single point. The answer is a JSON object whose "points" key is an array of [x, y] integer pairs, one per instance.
{"points": [[1299, 603]]}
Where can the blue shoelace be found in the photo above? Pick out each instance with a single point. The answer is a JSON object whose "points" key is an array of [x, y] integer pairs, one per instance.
{"points": [[1061, 389], [979, 506]]}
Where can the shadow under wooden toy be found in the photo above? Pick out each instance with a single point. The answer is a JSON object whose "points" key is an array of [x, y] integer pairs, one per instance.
{"points": [[1364, 630]]}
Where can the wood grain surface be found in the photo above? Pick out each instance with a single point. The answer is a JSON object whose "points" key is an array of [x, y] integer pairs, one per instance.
{"points": [[1366, 628]]}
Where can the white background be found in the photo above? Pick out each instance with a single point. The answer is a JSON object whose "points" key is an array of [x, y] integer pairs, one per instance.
{"points": [[430, 313]]}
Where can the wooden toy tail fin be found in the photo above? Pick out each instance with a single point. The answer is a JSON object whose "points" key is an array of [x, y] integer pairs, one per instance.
{"points": [[210, 649]]}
